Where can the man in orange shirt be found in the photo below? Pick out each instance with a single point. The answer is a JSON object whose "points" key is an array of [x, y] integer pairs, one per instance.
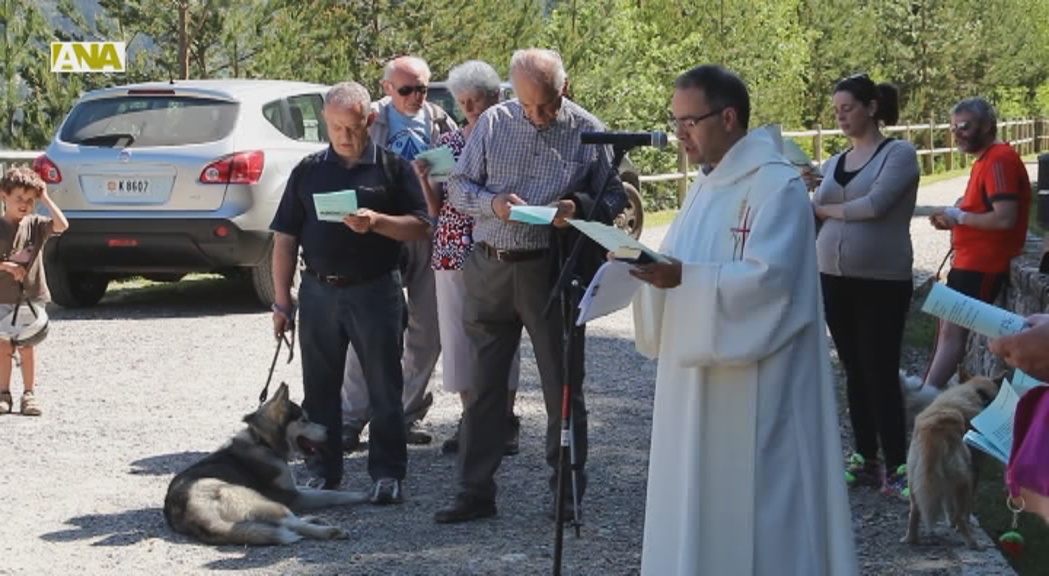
{"points": [[988, 227]]}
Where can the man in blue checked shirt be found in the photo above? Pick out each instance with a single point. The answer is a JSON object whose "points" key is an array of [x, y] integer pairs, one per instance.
{"points": [[523, 151]]}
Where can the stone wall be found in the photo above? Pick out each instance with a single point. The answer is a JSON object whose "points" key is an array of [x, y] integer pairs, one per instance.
{"points": [[1027, 293]]}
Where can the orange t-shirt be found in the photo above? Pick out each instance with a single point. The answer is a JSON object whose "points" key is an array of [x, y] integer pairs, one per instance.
{"points": [[999, 174]]}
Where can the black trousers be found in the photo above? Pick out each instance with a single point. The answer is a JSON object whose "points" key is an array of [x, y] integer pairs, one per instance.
{"points": [[501, 298], [866, 320]]}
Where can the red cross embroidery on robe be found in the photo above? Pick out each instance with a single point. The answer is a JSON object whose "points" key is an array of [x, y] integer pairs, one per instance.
{"points": [[740, 234]]}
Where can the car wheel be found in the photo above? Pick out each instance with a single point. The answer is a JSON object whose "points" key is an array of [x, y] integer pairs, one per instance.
{"points": [[632, 219], [262, 280], [74, 289]]}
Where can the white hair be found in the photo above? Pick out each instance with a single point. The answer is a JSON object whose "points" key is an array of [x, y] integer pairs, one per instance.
{"points": [[348, 95], [406, 61], [474, 77], [542, 65]]}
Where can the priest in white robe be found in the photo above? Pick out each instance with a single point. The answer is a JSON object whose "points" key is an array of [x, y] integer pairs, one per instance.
{"points": [[745, 474]]}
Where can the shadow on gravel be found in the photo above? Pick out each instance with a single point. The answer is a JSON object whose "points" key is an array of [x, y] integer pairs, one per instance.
{"points": [[164, 464], [189, 298], [117, 529]]}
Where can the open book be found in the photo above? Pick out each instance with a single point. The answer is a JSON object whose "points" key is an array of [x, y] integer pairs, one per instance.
{"points": [[790, 149], [993, 428], [615, 240]]}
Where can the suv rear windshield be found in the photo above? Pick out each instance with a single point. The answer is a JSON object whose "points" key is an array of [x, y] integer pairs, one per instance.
{"points": [[442, 96], [138, 121]]}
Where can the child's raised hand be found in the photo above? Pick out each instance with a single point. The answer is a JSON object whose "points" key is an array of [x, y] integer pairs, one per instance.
{"points": [[16, 270]]}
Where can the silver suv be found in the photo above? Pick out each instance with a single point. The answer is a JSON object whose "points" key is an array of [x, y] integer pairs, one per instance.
{"points": [[164, 179]]}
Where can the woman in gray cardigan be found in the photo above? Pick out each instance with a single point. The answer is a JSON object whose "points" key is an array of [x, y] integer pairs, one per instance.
{"points": [[864, 204]]}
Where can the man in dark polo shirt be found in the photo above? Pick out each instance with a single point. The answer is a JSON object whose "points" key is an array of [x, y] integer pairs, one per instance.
{"points": [[351, 290]]}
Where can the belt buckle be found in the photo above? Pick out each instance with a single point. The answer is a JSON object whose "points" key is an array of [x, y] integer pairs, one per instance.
{"points": [[502, 255]]}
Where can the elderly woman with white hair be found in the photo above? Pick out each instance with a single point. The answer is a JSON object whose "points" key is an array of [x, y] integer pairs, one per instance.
{"points": [[475, 86]]}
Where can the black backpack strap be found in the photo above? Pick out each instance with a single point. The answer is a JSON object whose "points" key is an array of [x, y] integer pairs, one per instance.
{"points": [[391, 168]]}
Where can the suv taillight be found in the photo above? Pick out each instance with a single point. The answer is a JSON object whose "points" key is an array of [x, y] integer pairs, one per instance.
{"points": [[47, 170], [239, 168]]}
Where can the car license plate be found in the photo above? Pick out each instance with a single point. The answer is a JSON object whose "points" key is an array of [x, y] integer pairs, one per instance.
{"points": [[126, 187]]}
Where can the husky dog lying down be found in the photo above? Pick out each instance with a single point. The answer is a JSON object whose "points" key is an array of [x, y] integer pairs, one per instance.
{"points": [[244, 493]]}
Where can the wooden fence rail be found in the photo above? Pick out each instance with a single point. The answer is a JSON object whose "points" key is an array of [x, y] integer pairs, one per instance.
{"points": [[932, 141]]}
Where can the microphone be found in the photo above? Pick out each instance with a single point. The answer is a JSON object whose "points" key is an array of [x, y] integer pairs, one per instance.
{"points": [[626, 139]]}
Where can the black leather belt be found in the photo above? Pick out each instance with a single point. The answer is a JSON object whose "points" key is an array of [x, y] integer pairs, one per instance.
{"points": [[511, 255], [336, 280]]}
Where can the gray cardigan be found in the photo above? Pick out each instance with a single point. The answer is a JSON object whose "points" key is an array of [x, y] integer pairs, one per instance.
{"points": [[874, 239]]}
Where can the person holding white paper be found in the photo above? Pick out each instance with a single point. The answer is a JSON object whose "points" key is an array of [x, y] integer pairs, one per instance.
{"points": [[351, 294], [406, 124], [475, 86], [864, 206], [744, 472], [523, 151], [1028, 350]]}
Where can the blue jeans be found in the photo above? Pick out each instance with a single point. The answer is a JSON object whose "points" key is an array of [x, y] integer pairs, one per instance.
{"points": [[368, 316]]}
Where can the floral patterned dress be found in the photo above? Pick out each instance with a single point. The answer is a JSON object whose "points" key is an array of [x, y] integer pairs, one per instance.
{"points": [[453, 236]]}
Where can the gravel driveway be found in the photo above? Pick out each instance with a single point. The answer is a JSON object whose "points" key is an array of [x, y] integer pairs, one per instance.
{"points": [[141, 386]]}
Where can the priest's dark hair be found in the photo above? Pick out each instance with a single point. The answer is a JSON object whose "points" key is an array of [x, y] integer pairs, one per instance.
{"points": [[721, 87]]}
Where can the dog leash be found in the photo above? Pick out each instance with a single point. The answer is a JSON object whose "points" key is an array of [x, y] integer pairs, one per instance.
{"points": [[282, 339], [944, 262]]}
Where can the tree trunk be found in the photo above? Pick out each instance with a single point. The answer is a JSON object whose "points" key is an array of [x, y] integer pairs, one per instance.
{"points": [[183, 40]]}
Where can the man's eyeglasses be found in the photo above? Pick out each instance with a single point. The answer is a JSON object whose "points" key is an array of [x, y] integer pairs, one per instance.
{"points": [[407, 90], [961, 126], [687, 122]]}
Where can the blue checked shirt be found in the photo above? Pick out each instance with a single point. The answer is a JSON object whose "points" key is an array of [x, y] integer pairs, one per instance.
{"points": [[506, 153]]}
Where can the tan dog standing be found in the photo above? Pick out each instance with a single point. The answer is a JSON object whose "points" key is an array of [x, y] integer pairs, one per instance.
{"points": [[940, 469]]}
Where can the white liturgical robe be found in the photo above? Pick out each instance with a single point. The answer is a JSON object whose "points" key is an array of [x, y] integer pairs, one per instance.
{"points": [[746, 472]]}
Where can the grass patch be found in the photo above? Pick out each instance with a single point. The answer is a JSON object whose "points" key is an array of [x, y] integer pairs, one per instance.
{"points": [[137, 289], [996, 519], [660, 218], [933, 178], [920, 331], [1032, 218]]}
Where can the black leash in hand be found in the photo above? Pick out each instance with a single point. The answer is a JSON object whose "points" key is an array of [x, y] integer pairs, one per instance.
{"points": [[286, 337]]}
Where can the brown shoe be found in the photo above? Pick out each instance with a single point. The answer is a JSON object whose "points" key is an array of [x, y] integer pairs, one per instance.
{"points": [[30, 407], [6, 402]]}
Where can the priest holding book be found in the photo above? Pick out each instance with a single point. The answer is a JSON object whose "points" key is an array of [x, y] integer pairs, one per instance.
{"points": [[744, 473]]}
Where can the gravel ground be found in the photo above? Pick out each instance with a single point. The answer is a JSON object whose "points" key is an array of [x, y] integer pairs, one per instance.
{"points": [[149, 381]]}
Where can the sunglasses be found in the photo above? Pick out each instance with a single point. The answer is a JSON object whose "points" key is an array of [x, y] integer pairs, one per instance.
{"points": [[407, 90], [961, 127], [690, 121]]}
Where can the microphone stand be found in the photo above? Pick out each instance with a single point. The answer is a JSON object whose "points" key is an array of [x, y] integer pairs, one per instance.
{"points": [[568, 290]]}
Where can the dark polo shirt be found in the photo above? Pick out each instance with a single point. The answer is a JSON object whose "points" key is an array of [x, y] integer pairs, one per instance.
{"points": [[331, 247]]}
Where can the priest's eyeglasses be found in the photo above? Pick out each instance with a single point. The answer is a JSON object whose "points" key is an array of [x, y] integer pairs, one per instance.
{"points": [[688, 122]]}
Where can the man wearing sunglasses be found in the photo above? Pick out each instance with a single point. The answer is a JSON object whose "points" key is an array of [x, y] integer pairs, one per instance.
{"points": [[988, 227], [406, 124]]}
